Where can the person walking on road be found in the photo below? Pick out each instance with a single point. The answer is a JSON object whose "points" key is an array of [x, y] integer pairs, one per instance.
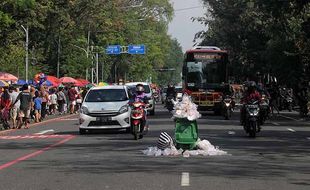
{"points": [[44, 95], [72, 94], [15, 109], [37, 107], [5, 108], [61, 99], [25, 106], [53, 102]]}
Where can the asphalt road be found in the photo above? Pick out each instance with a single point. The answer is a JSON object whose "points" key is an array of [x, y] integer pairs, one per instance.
{"points": [[52, 156]]}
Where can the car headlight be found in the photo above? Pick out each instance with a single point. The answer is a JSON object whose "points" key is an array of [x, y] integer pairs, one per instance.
{"points": [[84, 110], [123, 109]]}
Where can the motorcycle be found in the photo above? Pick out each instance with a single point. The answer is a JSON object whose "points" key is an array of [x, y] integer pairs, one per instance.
{"points": [[252, 124], [156, 96], [286, 99], [169, 103], [227, 107], [265, 109], [138, 120]]}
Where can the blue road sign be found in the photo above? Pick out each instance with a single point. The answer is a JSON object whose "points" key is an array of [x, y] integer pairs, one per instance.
{"points": [[136, 49], [114, 49]]}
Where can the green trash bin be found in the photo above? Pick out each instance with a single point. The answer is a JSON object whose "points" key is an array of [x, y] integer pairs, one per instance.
{"points": [[186, 133]]}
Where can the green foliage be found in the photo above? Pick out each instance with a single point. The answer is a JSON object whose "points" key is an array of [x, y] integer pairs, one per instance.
{"points": [[261, 36], [79, 28]]}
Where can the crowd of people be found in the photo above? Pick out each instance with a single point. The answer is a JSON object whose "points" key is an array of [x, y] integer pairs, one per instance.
{"points": [[20, 106]]}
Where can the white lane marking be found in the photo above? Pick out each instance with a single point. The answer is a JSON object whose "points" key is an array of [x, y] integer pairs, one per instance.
{"points": [[274, 123], [231, 132], [45, 131], [308, 138], [185, 179], [287, 117], [292, 130], [69, 119]]}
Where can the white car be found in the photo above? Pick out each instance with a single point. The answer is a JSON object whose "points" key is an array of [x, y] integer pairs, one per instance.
{"points": [[147, 91], [105, 108]]}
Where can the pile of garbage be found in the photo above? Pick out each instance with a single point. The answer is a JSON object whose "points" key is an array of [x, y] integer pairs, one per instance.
{"points": [[203, 147], [186, 109]]}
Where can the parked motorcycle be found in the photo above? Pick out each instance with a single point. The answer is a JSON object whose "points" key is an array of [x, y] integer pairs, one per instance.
{"points": [[138, 120], [286, 99], [251, 123], [227, 107]]}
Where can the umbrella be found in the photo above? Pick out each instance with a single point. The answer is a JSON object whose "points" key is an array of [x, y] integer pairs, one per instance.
{"points": [[53, 79], [83, 81], [21, 82], [49, 83], [7, 77], [90, 85], [79, 84], [67, 80], [103, 84], [3, 83]]}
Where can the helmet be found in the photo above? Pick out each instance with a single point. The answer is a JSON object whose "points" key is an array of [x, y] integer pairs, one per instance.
{"points": [[139, 88]]}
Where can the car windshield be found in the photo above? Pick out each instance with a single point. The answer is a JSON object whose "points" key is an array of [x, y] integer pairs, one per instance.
{"points": [[106, 95], [146, 89]]}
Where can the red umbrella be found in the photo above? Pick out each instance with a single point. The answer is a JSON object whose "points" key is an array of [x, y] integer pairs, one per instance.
{"points": [[79, 83], [83, 81], [67, 80], [8, 77], [53, 79]]}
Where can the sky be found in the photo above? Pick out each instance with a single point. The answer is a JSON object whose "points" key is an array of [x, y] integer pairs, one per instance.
{"points": [[182, 28]]}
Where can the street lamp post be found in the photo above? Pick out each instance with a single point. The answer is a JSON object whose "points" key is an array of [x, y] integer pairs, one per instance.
{"points": [[26, 47]]}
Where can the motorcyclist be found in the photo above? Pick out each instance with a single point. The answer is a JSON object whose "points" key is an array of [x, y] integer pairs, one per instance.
{"points": [[140, 96], [171, 91], [250, 95]]}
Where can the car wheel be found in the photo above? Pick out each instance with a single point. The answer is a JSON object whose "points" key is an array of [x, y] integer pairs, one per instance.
{"points": [[82, 131]]}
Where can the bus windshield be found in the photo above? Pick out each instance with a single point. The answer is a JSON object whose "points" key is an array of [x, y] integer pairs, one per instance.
{"points": [[202, 69]]}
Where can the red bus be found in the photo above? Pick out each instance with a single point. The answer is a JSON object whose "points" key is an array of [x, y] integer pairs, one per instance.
{"points": [[204, 75]]}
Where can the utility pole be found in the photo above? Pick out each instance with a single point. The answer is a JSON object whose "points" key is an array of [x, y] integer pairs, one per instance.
{"points": [[97, 68], [26, 48], [58, 57]]}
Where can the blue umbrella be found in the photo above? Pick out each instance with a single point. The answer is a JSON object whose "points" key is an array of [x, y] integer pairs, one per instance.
{"points": [[47, 83], [21, 82]]}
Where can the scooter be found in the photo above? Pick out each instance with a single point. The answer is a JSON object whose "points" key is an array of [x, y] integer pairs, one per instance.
{"points": [[227, 107], [138, 126], [252, 124], [265, 109], [169, 103]]}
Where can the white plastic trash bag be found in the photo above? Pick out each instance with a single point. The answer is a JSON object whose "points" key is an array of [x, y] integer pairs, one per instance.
{"points": [[186, 109]]}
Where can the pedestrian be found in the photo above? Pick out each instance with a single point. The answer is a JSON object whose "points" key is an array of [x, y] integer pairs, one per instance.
{"points": [[5, 106], [14, 109], [25, 106], [72, 93], [44, 95], [61, 100], [53, 102], [37, 106]]}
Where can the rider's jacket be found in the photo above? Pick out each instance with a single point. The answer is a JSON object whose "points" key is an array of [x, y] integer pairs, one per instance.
{"points": [[255, 95], [140, 97]]}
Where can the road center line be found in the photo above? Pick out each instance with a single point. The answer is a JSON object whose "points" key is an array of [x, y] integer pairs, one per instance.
{"points": [[185, 179], [274, 123], [45, 131], [292, 130], [287, 117], [6, 165]]}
